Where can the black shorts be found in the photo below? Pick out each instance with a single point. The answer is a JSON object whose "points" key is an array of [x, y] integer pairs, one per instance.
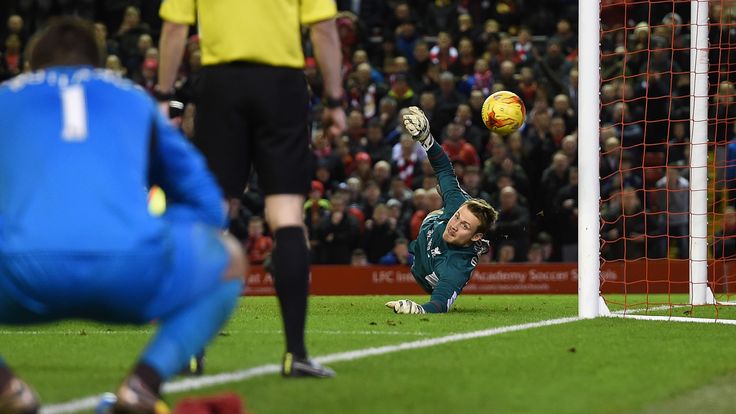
{"points": [[255, 115]]}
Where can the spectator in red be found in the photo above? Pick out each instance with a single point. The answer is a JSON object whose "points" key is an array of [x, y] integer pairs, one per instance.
{"points": [[12, 60], [457, 148], [147, 79], [523, 45], [363, 166], [406, 160], [527, 86], [258, 246], [364, 91], [421, 209], [443, 53]]}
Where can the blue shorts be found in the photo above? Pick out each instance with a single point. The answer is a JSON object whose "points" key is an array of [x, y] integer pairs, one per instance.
{"points": [[137, 287]]}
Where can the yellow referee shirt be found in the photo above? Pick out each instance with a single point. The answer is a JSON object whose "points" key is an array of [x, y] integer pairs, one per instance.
{"points": [[259, 31]]}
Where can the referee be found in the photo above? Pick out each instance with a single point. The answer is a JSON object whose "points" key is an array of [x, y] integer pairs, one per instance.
{"points": [[252, 110]]}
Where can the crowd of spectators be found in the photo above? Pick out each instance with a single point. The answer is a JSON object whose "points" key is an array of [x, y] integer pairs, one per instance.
{"points": [[373, 186]]}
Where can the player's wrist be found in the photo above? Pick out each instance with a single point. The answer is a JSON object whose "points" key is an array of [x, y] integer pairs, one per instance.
{"points": [[331, 102], [427, 142], [162, 94]]}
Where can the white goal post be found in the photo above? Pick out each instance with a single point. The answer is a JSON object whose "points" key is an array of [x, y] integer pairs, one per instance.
{"points": [[590, 302], [588, 159]]}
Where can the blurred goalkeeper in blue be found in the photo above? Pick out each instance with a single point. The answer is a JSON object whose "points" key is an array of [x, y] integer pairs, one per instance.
{"points": [[78, 148], [450, 240]]}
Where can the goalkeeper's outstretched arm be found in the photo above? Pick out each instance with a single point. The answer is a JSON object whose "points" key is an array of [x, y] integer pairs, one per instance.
{"points": [[417, 125]]}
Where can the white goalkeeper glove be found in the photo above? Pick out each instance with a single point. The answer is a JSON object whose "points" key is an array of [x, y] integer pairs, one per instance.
{"points": [[417, 125], [405, 306]]}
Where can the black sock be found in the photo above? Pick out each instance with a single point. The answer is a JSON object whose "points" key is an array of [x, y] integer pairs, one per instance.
{"points": [[149, 376], [6, 374], [291, 279]]}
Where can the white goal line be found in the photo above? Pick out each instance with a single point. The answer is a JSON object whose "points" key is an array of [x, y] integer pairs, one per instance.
{"points": [[634, 314]]}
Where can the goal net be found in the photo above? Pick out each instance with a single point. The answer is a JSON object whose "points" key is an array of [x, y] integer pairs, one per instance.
{"points": [[665, 218]]}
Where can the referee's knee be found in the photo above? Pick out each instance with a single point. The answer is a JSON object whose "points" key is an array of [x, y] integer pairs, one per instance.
{"points": [[237, 263]]}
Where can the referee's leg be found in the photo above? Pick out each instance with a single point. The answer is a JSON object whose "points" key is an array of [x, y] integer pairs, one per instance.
{"points": [[291, 279]]}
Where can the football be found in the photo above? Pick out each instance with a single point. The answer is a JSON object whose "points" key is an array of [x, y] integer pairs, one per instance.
{"points": [[503, 112]]}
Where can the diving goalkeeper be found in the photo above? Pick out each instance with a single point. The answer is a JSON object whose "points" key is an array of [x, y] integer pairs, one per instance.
{"points": [[451, 239]]}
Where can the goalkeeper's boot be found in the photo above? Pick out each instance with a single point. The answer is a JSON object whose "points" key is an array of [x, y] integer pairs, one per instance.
{"points": [[135, 397], [303, 367], [18, 398]]}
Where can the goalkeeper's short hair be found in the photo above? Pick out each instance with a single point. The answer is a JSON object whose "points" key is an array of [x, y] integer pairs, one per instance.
{"points": [[484, 212]]}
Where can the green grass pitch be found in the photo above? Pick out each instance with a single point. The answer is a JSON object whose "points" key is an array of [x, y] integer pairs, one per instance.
{"points": [[604, 365]]}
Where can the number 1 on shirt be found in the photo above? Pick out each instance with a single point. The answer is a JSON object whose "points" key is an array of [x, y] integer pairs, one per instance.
{"points": [[74, 110]]}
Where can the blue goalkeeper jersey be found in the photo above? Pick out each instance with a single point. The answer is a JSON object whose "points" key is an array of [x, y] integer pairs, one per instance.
{"points": [[441, 269], [78, 148]]}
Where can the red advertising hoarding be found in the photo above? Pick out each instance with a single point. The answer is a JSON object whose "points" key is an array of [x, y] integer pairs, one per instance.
{"points": [[653, 276]]}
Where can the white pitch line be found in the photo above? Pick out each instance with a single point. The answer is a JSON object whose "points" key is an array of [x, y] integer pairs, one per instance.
{"points": [[150, 332], [189, 384], [674, 319]]}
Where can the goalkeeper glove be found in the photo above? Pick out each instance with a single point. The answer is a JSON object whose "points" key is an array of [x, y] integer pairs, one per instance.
{"points": [[417, 125], [405, 306]]}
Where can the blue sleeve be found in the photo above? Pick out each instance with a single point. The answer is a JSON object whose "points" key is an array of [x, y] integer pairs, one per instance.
{"points": [[452, 280], [452, 195], [180, 170]]}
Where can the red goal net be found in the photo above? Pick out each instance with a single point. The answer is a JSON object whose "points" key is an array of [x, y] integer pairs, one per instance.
{"points": [[648, 173]]}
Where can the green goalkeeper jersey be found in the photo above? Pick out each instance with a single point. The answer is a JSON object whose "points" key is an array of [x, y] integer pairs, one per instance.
{"points": [[441, 269]]}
